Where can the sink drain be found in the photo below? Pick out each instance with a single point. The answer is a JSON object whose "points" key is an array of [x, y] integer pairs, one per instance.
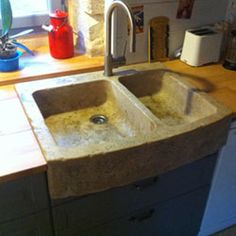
{"points": [[99, 119]]}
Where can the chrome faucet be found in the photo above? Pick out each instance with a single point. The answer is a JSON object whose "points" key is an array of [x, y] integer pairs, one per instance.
{"points": [[111, 62]]}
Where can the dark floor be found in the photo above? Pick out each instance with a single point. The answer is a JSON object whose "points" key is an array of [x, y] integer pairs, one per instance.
{"points": [[231, 231]]}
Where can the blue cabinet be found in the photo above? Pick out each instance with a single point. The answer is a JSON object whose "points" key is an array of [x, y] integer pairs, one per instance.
{"points": [[38, 224], [24, 207], [179, 216], [23, 196], [177, 197]]}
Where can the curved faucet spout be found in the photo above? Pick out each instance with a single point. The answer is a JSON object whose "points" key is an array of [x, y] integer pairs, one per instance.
{"points": [[108, 56]]}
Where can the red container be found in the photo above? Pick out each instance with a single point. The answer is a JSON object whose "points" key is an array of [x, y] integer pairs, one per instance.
{"points": [[61, 42]]}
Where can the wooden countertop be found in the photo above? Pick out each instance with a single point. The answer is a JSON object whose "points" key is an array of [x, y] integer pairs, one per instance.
{"points": [[20, 154]]}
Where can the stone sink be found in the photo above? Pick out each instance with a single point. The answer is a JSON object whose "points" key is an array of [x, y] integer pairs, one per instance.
{"points": [[97, 132], [169, 99], [94, 114]]}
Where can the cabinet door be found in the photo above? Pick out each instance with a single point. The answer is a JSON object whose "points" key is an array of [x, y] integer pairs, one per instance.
{"points": [[221, 206], [23, 196], [34, 225], [179, 216], [96, 209]]}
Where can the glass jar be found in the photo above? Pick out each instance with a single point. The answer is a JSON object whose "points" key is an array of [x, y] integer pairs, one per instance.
{"points": [[230, 58]]}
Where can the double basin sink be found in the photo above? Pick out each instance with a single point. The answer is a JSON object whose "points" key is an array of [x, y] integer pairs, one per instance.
{"points": [[97, 132]]}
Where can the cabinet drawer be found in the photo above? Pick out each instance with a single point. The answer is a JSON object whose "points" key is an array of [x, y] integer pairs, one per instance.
{"points": [[157, 188], [33, 225], [23, 196], [180, 216], [95, 209]]}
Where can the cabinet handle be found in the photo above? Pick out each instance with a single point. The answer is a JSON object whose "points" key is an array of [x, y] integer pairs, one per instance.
{"points": [[146, 183], [139, 218]]}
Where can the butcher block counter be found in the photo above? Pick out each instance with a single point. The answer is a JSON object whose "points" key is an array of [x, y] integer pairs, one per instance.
{"points": [[20, 154]]}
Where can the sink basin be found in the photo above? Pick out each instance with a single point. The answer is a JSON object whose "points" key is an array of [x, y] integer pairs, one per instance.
{"points": [[169, 99], [90, 113], [98, 133]]}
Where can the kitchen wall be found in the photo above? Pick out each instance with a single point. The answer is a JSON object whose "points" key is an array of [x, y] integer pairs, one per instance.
{"points": [[231, 10], [87, 18], [204, 12]]}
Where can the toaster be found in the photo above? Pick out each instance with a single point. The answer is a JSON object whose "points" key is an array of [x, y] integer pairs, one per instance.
{"points": [[201, 46]]}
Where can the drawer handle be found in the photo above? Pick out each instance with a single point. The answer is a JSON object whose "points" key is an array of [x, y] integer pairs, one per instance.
{"points": [[146, 183], [139, 218]]}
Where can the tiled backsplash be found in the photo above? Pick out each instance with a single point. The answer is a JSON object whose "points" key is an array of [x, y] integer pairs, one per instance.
{"points": [[204, 12]]}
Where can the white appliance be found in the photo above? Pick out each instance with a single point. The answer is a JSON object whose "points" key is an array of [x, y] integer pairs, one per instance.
{"points": [[201, 46]]}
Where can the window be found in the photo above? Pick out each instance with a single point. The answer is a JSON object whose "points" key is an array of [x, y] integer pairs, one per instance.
{"points": [[29, 13], [27, 7]]}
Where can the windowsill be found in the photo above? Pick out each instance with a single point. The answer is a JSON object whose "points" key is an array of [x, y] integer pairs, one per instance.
{"points": [[42, 65]]}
